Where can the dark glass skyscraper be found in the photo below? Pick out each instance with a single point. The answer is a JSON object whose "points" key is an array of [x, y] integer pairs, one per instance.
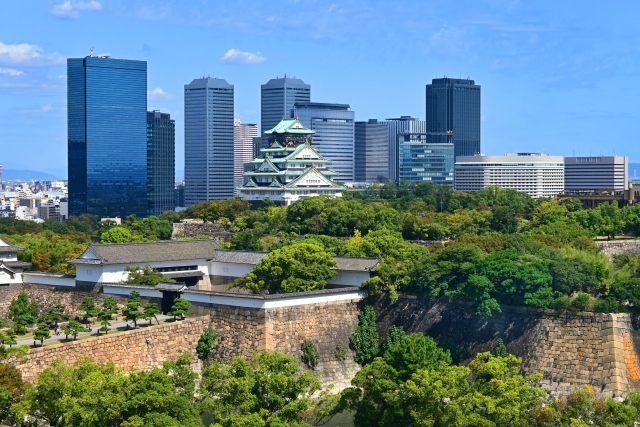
{"points": [[371, 151], [161, 162], [454, 105], [107, 141], [277, 97]]}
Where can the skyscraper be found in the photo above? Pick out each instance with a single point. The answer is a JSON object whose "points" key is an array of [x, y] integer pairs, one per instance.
{"points": [[371, 151], [243, 149], [107, 141], [208, 140], [335, 135], [161, 162], [454, 105], [277, 97], [421, 158], [396, 126]]}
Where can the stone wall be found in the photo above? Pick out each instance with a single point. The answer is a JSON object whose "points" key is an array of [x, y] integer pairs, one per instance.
{"points": [[196, 229], [619, 247], [143, 348], [569, 349]]}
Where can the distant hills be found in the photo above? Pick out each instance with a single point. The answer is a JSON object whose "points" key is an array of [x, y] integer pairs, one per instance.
{"points": [[26, 175]]}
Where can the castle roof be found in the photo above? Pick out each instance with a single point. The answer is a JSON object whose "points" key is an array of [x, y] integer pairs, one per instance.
{"points": [[6, 247], [290, 126]]}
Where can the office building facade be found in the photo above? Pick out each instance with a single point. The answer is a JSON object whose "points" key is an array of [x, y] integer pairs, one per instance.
{"points": [[371, 151], [161, 162], [596, 173], [396, 126], [107, 141], [208, 140], [423, 159], [243, 148], [335, 134], [537, 174], [277, 98], [453, 105]]}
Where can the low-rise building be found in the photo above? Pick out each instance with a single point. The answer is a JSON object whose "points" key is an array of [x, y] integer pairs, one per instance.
{"points": [[594, 173], [10, 267], [537, 174]]}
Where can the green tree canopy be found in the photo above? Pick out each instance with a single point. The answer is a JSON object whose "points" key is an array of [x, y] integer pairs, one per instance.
{"points": [[116, 235], [145, 276]]}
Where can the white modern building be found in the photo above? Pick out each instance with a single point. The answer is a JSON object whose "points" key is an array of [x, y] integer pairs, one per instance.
{"points": [[594, 173], [537, 174], [243, 147]]}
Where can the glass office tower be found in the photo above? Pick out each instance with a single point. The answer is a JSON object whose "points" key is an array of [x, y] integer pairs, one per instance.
{"points": [[277, 97], [371, 151], [107, 141], [396, 126], [161, 162], [454, 105], [421, 159], [335, 134], [208, 140]]}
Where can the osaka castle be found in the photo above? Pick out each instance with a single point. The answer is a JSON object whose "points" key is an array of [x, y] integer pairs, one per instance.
{"points": [[290, 169]]}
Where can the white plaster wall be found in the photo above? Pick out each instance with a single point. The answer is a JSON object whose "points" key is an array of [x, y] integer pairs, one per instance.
{"points": [[284, 301], [89, 273], [230, 269], [349, 278], [5, 278], [114, 273], [126, 291], [48, 279], [9, 257]]}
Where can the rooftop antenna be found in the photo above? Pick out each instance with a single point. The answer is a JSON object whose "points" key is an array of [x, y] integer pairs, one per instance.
{"points": [[91, 52]]}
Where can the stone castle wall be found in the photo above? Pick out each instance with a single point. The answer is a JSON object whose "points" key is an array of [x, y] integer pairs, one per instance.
{"points": [[197, 229], [619, 247], [569, 349], [144, 348]]}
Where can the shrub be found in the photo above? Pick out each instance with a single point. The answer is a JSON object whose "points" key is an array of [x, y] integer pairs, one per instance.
{"points": [[447, 344], [310, 354], [609, 305], [500, 349], [580, 303], [340, 351], [365, 340], [206, 344], [561, 303], [394, 336]]}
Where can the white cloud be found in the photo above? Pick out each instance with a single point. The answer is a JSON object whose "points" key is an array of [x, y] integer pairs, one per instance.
{"points": [[159, 95], [70, 9], [240, 57], [27, 54], [46, 107], [11, 71]]}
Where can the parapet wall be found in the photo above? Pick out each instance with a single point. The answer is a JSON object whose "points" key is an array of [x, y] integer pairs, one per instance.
{"points": [[619, 247], [569, 349]]}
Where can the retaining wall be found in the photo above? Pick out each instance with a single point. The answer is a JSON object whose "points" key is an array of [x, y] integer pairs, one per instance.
{"points": [[619, 247]]}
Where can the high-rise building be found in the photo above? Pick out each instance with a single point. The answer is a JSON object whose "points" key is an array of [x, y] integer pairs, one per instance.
{"points": [[596, 173], [161, 162], [277, 97], [395, 127], [208, 140], [371, 151], [243, 149], [335, 135], [454, 105], [537, 174], [421, 159], [107, 136]]}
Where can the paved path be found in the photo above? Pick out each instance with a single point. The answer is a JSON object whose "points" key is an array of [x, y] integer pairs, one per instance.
{"points": [[113, 328]]}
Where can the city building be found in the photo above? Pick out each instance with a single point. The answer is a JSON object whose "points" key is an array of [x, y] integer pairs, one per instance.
{"points": [[422, 158], [371, 151], [596, 173], [208, 140], [178, 195], [161, 162], [453, 105], [290, 168], [395, 127], [277, 98], [243, 148], [335, 134], [537, 174], [107, 141]]}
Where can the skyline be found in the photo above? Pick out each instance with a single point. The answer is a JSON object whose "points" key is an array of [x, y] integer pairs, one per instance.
{"points": [[555, 78]]}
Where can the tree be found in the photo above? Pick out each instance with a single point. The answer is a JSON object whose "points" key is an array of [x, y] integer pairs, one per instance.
{"points": [[88, 305], [103, 317], [414, 352], [180, 307], [151, 311], [365, 340], [500, 349], [206, 344], [23, 312], [53, 315], [73, 328], [267, 391], [145, 276], [110, 304], [131, 309], [116, 235], [295, 268], [41, 333], [11, 390], [310, 354]]}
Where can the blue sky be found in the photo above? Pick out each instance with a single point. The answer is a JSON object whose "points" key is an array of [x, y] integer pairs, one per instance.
{"points": [[556, 76]]}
